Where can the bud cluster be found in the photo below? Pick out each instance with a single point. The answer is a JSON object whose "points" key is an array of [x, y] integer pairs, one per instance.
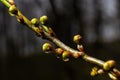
{"points": [[95, 71]]}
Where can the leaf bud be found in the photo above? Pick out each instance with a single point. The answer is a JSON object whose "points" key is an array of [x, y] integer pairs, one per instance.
{"points": [[101, 71], [109, 64], [59, 50], [47, 47], [77, 39], [35, 22], [113, 77], [65, 55], [80, 48], [11, 2], [44, 19], [94, 71], [13, 10]]}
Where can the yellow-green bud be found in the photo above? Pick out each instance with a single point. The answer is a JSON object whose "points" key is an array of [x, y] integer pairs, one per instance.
{"points": [[44, 19], [77, 39], [65, 55], [47, 47], [35, 22], [94, 71], [13, 10], [109, 64]]}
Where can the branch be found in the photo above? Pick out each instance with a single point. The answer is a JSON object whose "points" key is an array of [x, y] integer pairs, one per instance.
{"points": [[46, 32]]}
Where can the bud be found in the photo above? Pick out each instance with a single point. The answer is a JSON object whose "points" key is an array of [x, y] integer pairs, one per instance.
{"points": [[59, 50], [101, 71], [77, 55], [80, 48], [13, 10], [20, 19], [94, 71], [77, 39], [112, 76], [65, 55], [11, 2], [35, 22], [47, 47], [109, 64], [44, 19]]}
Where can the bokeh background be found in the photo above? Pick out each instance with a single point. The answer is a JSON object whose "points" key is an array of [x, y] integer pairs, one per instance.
{"points": [[21, 57]]}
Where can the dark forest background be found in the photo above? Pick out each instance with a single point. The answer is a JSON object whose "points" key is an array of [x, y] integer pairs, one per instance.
{"points": [[21, 57]]}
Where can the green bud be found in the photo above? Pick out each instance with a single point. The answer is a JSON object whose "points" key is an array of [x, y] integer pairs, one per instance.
{"points": [[45, 28], [77, 39], [13, 10], [109, 64], [35, 21], [65, 55], [47, 47], [44, 19]]}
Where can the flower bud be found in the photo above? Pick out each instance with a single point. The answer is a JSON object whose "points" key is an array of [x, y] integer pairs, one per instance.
{"points": [[101, 71], [94, 71], [80, 48], [47, 47], [13, 10], [109, 64], [35, 22], [77, 39], [11, 2], [65, 55], [59, 50], [44, 19]]}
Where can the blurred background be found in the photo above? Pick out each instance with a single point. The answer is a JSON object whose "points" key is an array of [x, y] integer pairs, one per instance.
{"points": [[21, 57]]}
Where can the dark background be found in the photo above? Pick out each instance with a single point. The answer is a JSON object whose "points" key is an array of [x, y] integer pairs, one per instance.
{"points": [[21, 57]]}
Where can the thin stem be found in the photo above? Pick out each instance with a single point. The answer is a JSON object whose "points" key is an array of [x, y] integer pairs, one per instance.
{"points": [[61, 44], [93, 60], [5, 3]]}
